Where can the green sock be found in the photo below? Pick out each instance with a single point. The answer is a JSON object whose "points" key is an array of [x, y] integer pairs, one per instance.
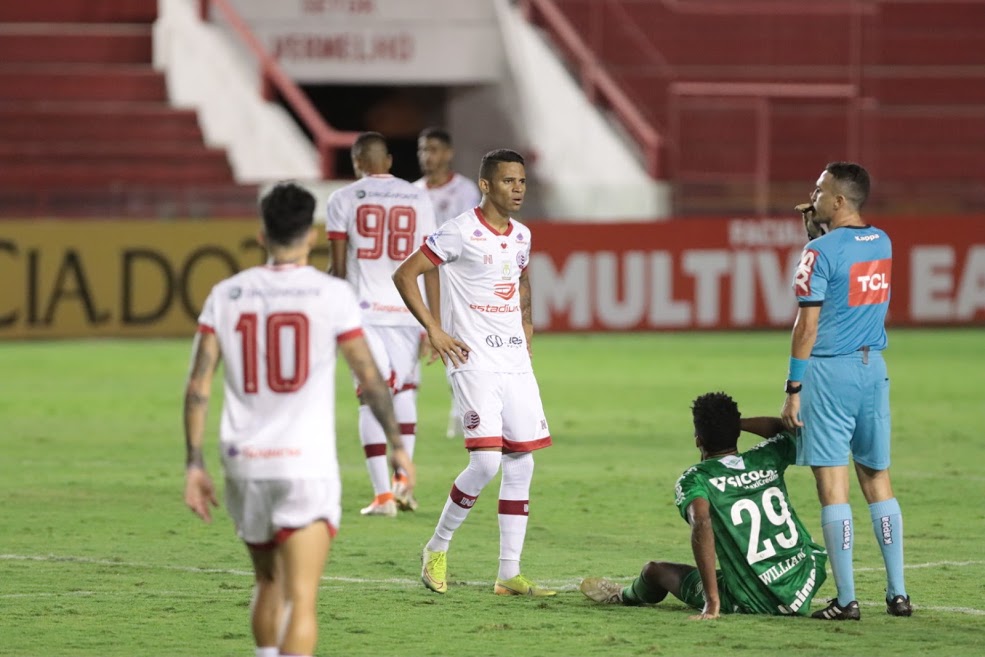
{"points": [[641, 593]]}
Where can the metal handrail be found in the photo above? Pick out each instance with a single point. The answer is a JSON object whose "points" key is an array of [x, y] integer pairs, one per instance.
{"points": [[273, 78], [598, 84]]}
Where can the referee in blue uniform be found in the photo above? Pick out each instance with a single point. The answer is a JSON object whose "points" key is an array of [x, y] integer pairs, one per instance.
{"points": [[838, 387]]}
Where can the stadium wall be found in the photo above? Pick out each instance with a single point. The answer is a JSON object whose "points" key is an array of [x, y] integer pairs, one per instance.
{"points": [[116, 278]]}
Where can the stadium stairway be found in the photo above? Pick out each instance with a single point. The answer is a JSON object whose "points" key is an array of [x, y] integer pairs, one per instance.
{"points": [[921, 115], [85, 124]]}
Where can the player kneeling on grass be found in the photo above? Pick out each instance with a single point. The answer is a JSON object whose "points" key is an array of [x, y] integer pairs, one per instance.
{"points": [[278, 328], [736, 504]]}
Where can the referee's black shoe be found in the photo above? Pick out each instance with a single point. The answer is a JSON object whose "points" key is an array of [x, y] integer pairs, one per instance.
{"points": [[899, 606], [834, 611]]}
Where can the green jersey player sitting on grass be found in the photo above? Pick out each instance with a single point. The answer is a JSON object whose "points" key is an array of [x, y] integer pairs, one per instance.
{"points": [[736, 504]]}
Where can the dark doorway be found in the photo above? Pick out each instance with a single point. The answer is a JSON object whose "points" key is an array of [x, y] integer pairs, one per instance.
{"points": [[399, 113]]}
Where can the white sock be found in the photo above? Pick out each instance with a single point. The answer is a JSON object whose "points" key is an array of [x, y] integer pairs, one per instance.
{"points": [[482, 467], [374, 445], [405, 410], [270, 651], [514, 505]]}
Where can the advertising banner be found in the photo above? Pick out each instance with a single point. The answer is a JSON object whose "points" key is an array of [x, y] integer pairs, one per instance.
{"points": [[129, 278], [737, 273], [118, 278]]}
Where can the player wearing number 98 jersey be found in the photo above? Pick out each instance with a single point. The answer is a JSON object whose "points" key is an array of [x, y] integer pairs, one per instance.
{"points": [[739, 512], [373, 225]]}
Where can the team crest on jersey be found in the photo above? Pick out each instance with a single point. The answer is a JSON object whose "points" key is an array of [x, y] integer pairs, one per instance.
{"points": [[868, 282], [470, 420], [802, 279]]}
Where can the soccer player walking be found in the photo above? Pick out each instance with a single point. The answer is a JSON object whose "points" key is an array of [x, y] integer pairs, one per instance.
{"points": [[277, 327], [373, 225], [838, 387], [484, 339], [738, 509]]}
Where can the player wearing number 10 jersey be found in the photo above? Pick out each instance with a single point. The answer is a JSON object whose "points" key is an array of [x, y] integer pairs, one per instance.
{"points": [[738, 509], [373, 225], [278, 328]]}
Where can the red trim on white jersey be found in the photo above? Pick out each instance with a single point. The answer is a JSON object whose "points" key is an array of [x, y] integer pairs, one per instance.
{"points": [[349, 335], [205, 328], [431, 255], [337, 235], [482, 220]]}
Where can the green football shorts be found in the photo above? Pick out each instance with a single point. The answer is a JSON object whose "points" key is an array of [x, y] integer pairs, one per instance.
{"points": [[692, 592]]}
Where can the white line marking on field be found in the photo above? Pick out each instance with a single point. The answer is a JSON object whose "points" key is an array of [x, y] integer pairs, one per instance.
{"points": [[560, 584], [929, 564]]}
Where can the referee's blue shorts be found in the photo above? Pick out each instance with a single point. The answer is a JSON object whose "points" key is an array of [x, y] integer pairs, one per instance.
{"points": [[845, 410]]}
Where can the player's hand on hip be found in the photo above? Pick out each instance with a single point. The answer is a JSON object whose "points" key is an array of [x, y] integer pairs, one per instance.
{"points": [[200, 492], [430, 353], [448, 348], [790, 413]]}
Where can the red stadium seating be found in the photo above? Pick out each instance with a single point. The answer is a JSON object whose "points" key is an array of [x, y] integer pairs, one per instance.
{"points": [[85, 125], [917, 119]]}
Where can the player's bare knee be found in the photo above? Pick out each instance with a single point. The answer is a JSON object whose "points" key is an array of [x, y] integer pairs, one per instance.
{"points": [[875, 484], [651, 571]]}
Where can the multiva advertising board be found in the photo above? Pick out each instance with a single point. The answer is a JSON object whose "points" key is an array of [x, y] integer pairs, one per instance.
{"points": [[110, 278]]}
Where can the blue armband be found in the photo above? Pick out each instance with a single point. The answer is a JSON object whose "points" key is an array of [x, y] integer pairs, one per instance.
{"points": [[797, 368]]}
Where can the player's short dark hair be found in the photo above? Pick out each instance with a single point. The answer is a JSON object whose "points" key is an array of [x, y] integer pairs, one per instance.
{"points": [[434, 132], [853, 179], [365, 141], [288, 212], [716, 421], [492, 159]]}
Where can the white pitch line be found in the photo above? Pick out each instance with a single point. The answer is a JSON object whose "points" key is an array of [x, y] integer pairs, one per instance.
{"points": [[562, 584]]}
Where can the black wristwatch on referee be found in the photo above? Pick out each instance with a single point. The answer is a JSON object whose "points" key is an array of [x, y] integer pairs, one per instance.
{"points": [[791, 389]]}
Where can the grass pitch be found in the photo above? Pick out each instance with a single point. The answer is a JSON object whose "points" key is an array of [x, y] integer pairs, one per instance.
{"points": [[98, 555]]}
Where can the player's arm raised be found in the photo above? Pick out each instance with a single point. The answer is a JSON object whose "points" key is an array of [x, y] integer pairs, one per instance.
{"points": [[405, 278], [767, 427], [703, 547], [199, 489], [375, 394]]}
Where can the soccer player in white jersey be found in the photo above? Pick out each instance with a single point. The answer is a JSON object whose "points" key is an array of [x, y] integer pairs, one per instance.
{"points": [[277, 327], [451, 194], [373, 225], [484, 339]]}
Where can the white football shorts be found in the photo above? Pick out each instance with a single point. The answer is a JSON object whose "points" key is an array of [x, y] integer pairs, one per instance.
{"points": [[396, 350], [501, 409], [263, 508]]}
